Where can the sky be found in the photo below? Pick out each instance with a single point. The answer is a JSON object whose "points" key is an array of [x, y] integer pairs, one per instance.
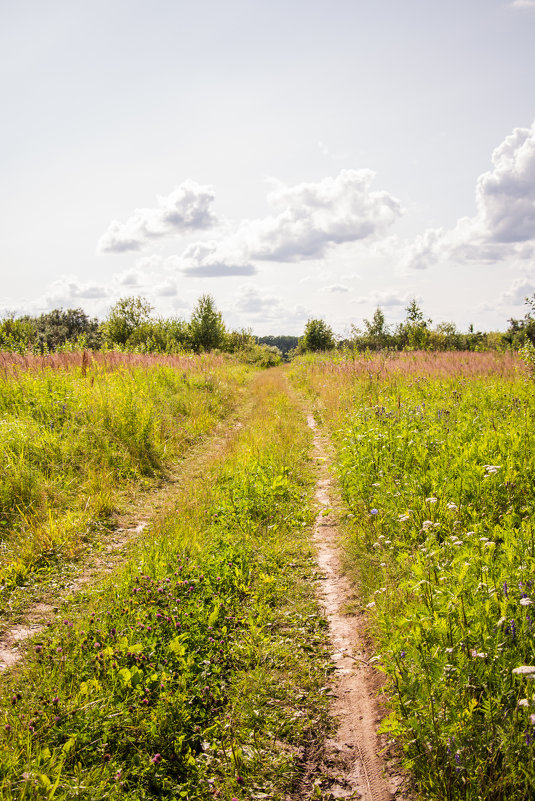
{"points": [[295, 159]]}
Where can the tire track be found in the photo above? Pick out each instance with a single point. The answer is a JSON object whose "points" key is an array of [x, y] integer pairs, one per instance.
{"points": [[354, 767]]}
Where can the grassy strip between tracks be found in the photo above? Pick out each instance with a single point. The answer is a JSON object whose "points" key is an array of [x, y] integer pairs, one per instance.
{"points": [[72, 437], [201, 670], [438, 476]]}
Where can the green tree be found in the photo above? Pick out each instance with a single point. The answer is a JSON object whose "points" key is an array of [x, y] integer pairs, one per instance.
{"points": [[376, 331], [127, 315], [414, 332], [207, 329], [317, 336], [56, 328], [17, 334]]}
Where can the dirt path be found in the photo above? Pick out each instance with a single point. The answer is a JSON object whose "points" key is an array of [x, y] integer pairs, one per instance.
{"points": [[354, 767], [113, 550]]}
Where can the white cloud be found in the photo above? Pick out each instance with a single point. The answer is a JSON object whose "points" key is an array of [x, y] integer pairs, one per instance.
{"points": [[519, 290], [310, 219], [338, 288], [385, 298], [67, 291], [251, 301], [185, 209], [166, 289], [265, 308], [504, 225], [316, 216], [214, 260], [522, 4]]}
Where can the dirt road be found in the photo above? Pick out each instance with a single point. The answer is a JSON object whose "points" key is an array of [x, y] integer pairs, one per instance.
{"points": [[354, 767]]}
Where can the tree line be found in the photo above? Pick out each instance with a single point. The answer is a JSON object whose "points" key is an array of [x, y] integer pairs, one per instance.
{"points": [[417, 332], [131, 326]]}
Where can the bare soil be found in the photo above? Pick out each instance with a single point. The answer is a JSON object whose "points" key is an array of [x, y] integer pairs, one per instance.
{"points": [[358, 763]]}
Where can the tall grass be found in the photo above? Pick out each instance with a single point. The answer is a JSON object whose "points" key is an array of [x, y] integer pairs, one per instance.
{"points": [[437, 475], [199, 671], [75, 431]]}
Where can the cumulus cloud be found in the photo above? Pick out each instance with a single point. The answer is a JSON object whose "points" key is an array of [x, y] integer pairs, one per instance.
{"points": [[338, 288], [251, 301], [185, 209], [66, 291], [261, 307], [315, 216], [214, 260], [504, 225], [386, 298], [166, 289], [309, 219], [520, 289]]}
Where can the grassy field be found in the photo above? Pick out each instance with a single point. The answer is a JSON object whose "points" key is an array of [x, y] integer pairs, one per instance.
{"points": [[436, 462], [75, 434], [200, 668]]}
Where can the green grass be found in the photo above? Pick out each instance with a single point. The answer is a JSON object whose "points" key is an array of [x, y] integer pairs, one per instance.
{"points": [[72, 440], [438, 479], [201, 668]]}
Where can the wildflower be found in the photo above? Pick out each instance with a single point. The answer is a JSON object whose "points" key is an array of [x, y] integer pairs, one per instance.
{"points": [[452, 506], [155, 759], [403, 518], [524, 670], [374, 511], [427, 524], [525, 602], [431, 500], [523, 702]]}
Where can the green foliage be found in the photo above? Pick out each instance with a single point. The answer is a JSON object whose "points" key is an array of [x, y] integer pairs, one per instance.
{"points": [[522, 332], [125, 318], [16, 335], [416, 333], [318, 336], [69, 441], [438, 479], [199, 671], [207, 330], [284, 343], [58, 327]]}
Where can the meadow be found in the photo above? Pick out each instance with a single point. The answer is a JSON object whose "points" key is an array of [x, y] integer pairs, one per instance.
{"points": [[199, 669], [435, 457], [78, 432], [200, 666]]}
